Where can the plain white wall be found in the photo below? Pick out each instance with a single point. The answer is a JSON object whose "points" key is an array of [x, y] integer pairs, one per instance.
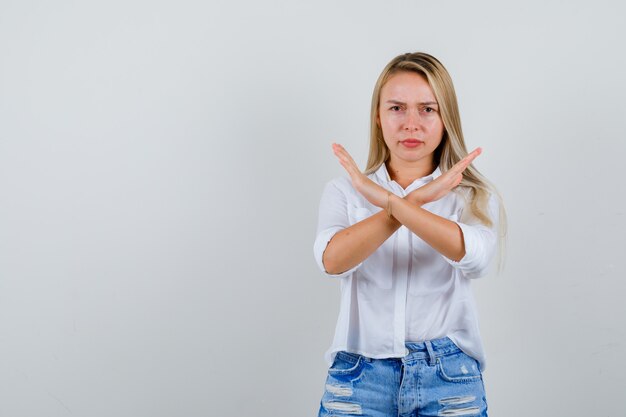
{"points": [[161, 165]]}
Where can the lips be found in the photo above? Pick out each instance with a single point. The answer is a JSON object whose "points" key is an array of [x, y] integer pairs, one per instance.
{"points": [[411, 143]]}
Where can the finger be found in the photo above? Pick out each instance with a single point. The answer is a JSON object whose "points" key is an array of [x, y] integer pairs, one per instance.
{"points": [[466, 161], [474, 154], [342, 153], [346, 154], [353, 172], [470, 156], [457, 180], [347, 162], [342, 156], [346, 166]]}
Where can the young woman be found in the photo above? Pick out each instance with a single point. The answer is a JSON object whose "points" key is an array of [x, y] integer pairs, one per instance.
{"points": [[405, 239]]}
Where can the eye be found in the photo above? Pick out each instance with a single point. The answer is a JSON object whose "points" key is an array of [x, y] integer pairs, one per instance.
{"points": [[430, 108], [394, 108]]}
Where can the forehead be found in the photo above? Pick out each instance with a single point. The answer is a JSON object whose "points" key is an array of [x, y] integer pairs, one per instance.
{"points": [[407, 87]]}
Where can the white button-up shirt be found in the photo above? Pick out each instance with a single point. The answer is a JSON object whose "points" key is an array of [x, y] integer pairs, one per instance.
{"points": [[405, 290]]}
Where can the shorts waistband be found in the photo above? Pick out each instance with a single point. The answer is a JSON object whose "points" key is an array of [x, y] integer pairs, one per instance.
{"points": [[430, 349]]}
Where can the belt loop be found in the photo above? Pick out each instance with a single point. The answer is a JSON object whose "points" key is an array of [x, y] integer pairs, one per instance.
{"points": [[431, 354]]}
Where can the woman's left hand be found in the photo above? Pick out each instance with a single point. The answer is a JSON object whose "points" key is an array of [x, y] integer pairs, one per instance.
{"points": [[372, 192]]}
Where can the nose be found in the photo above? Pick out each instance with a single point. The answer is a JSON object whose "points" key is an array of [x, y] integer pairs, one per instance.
{"points": [[412, 121]]}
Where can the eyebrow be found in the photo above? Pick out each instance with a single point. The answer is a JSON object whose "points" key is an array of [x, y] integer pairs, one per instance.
{"points": [[422, 103]]}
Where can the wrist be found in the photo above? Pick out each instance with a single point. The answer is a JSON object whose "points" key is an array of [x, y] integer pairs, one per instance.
{"points": [[414, 198], [392, 201]]}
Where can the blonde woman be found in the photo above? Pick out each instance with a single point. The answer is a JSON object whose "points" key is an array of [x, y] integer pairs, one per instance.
{"points": [[405, 239]]}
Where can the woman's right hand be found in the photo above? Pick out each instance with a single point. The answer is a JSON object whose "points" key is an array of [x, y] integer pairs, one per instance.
{"points": [[443, 184]]}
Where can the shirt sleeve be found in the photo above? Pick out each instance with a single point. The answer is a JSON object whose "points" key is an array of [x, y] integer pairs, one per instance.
{"points": [[333, 217], [480, 242]]}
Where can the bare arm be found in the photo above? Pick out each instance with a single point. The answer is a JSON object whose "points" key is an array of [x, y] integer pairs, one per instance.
{"points": [[353, 244], [443, 235]]}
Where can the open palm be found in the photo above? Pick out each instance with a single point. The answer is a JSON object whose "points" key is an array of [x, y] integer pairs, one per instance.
{"points": [[372, 192], [432, 191], [443, 184]]}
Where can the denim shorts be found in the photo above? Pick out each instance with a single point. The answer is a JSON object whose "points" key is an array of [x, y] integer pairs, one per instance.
{"points": [[436, 378]]}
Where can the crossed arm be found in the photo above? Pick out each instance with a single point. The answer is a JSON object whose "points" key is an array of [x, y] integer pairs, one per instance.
{"points": [[355, 243]]}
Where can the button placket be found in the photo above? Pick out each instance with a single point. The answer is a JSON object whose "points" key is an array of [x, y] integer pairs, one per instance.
{"points": [[401, 286]]}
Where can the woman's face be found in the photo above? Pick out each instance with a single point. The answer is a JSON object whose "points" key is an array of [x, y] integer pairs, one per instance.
{"points": [[409, 117]]}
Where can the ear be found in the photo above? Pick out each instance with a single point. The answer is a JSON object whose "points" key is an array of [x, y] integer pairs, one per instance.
{"points": [[378, 120]]}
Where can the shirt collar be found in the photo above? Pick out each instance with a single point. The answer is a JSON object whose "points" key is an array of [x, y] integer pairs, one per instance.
{"points": [[383, 174]]}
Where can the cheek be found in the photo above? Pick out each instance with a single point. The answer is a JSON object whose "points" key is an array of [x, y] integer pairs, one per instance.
{"points": [[434, 123], [390, 124], [436, 128], [390, 132]]}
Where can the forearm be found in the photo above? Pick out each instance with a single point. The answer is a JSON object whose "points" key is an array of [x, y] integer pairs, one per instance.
{"points": [[354, 244], [443, 235]]}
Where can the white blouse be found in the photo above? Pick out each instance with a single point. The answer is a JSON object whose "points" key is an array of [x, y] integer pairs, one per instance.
{"points": [[405, 290]]}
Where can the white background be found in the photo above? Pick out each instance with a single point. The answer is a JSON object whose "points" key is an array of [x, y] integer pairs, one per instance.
{"points": [[161, 165]]}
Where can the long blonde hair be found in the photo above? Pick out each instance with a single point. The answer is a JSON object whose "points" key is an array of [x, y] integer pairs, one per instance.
{"points": [[452, 147]]}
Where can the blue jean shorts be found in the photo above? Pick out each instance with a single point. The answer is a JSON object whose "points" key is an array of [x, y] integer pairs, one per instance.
{"points": [[436, 378]]}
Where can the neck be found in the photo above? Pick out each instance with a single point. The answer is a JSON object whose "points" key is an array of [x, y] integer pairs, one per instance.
{"points": [[403, 172]]}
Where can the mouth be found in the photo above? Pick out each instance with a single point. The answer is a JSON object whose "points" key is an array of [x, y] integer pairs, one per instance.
{"points": [[411, 143]]}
